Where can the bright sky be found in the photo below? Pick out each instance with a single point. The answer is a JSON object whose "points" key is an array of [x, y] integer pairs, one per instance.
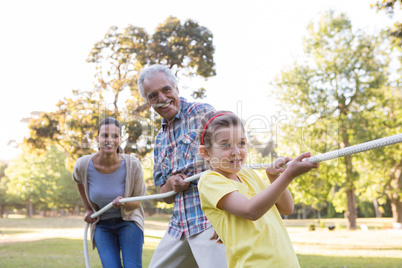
{"points": [[45, 43]]}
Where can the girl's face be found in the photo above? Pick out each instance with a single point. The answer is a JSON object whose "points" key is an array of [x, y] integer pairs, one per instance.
{"points": [[109, 138], [228, 151]]}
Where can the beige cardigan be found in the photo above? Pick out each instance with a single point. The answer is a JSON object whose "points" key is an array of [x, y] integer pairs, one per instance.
{"points": [[135, 186]]}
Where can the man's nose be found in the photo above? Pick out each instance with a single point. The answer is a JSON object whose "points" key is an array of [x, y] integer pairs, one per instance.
{"points": [[161, 97]]}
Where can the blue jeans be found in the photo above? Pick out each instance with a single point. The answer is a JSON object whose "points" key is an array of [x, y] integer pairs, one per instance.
{"points": [[114, 234]]}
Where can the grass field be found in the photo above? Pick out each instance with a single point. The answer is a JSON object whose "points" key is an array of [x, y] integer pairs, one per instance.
{"points": [[57, 242]]}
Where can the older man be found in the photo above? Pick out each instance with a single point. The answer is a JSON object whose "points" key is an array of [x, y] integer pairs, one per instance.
{"points": [[187, 241]]}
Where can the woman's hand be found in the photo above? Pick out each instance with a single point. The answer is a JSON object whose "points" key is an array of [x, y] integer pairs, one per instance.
{"points": [[88, 218], [116, 203]]}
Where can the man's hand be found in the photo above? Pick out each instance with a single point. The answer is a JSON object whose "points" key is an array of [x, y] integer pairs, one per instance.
{"points": [[177, 182]]}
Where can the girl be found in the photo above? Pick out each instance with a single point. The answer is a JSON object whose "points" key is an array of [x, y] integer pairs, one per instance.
{"points": [[243, 209], [107, 176]]}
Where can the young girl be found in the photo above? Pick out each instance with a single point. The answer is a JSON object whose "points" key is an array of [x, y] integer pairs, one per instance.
{"points": [[243, 209]]}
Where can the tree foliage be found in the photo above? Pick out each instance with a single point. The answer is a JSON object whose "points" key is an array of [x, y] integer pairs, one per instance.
{"points": [[3, 188], [119, 57], [330, 97], [122, 54], [389, 7], [41, 182]]}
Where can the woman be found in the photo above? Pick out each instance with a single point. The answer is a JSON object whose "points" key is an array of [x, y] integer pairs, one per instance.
{"points": [[107, 176]]}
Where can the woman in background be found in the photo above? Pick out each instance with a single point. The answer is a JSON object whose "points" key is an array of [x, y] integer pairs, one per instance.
{"points": [[106, 176]]}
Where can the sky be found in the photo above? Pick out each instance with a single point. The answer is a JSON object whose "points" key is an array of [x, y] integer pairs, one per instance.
{"points": [[45, 44]]}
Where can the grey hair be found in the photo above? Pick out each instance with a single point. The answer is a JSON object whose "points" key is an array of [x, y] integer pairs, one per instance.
{"points": [[150, 72]]}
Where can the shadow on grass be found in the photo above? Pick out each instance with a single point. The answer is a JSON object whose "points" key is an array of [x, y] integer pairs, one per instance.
{"points": [[7, 232], [320, 261]]}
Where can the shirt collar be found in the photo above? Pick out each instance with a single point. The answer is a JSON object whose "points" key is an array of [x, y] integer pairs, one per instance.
{"points": [[178, 116]]}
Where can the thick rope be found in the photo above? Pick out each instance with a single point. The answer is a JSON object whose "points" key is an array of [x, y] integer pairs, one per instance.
{"points": [[374, 144]]}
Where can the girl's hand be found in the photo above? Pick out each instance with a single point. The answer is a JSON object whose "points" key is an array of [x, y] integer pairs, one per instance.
{"points": [[88, 218], [277, 167], [298, 166], [116, 202]]}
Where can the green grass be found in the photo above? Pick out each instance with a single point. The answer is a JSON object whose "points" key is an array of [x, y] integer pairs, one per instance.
{"points": [[46, 253], [319, 261], [321, 248], [68, 253], [51, 253]]}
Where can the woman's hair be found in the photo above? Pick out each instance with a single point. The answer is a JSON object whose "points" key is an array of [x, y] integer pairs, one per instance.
{"points": [[111, 121], [150, 72], [213, 121]]}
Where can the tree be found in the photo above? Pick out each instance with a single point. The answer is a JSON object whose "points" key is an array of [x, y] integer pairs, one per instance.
{"points": [[389, 6], [73, 126], [342, 72], [386, 163], [39, 181], [119, 58], [122, 54], [3, 188]]}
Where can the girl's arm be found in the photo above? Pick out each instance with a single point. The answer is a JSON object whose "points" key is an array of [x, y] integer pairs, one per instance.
{"points": [[285, 203], [254, 208]]}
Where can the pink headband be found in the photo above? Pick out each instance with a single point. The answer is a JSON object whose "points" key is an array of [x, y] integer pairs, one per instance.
{"points": [[206, 125]]}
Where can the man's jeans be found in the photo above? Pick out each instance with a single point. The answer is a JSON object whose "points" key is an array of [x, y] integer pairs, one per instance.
{"points": [[114, 234]]}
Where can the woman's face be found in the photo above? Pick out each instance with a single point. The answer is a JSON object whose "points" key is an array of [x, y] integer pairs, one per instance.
{"points": [[109, 138]]}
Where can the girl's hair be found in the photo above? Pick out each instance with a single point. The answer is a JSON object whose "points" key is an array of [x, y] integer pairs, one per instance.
{"points": [[111, 121], [213, 121]]}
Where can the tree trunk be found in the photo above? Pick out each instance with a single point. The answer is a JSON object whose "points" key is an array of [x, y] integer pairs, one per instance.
{"points": [[2, 209], [378, 214], [351, 212], [395, 193], [396, 206], [29, 209]]}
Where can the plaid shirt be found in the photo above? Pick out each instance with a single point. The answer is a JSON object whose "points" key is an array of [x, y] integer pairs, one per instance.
{"points": [[176, 151]]}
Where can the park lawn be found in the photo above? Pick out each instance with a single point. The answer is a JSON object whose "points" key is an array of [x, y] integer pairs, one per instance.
{"points": [[66, 253], [57, 252], [61, 243], [321, 261]]}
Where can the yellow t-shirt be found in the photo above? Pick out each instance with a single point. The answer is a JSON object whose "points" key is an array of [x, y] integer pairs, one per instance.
{"points": [[261, 243]]}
